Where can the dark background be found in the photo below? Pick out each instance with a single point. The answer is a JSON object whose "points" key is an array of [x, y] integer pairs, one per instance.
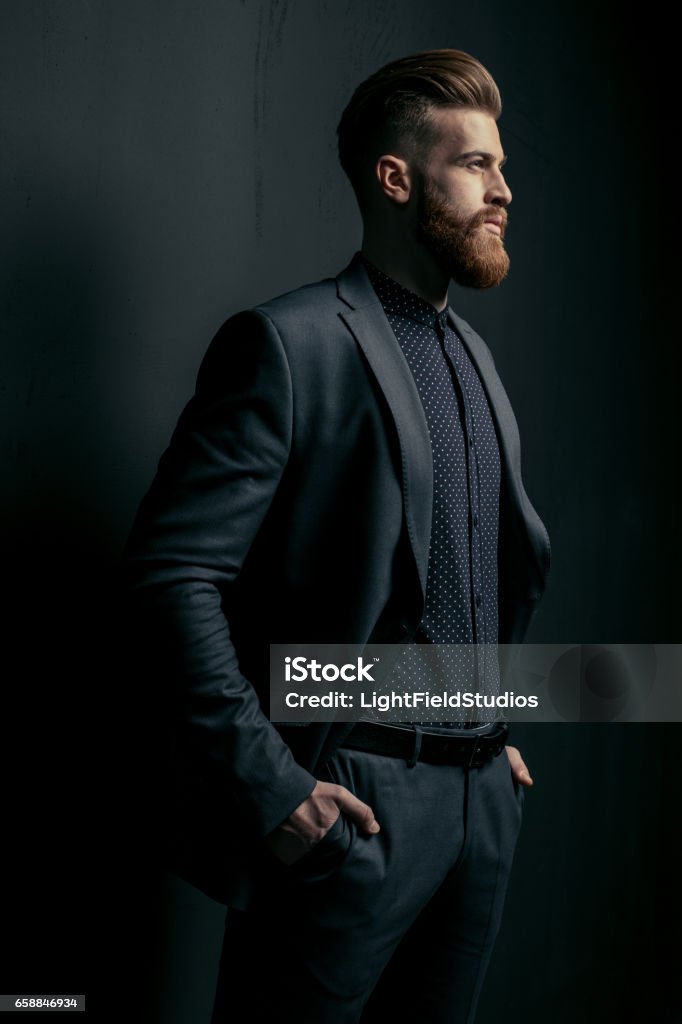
{"points": [[165, 164]]}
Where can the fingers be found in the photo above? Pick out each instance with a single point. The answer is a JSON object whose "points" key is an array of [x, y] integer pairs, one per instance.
{"points": [[311, 820], [362, 813], [518, 766]]}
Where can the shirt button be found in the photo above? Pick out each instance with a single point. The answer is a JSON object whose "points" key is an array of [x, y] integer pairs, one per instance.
{"points": [[475, 520], [471, 442], [479, 600]]}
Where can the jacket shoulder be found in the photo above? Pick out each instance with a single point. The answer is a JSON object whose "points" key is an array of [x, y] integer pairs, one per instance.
{"points": [[285, 322], [305, 322], [309, 302]]}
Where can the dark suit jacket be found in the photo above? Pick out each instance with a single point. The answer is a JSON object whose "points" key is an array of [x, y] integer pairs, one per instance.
{"points": [[293, 505]]}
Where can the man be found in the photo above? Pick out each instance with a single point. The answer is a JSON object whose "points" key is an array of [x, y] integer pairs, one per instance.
{"points": [[348, 471]]}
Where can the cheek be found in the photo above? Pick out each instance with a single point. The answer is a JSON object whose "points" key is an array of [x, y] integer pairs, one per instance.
{"points": [[473, 196], [465, 194]]}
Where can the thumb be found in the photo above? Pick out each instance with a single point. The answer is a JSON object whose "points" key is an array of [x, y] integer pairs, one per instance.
{"points": [[518, 766], [361, 812]]}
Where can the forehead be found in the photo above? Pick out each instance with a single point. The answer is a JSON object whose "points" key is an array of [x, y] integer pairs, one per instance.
{"points": [[462, 130]]}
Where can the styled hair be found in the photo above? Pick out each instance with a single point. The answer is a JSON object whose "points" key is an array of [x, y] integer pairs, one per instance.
{"points": [[393, 106]]}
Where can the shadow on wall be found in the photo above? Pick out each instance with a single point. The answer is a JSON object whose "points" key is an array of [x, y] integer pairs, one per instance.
{"points": [[68, 711]]}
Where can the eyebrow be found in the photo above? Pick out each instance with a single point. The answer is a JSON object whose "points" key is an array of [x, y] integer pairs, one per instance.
{"points": [[480, 152]]}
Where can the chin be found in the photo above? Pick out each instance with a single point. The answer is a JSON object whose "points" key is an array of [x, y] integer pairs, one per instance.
{"points": [[482, 272]]}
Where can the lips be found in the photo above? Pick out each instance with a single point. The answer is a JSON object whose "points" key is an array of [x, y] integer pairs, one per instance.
{"points": [[494, 224]]}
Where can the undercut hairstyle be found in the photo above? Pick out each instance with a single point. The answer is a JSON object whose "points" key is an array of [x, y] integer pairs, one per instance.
{"points": [[391, 110]]}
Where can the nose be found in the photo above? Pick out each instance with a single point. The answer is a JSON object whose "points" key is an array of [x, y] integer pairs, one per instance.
{"points": [[498, 191]]}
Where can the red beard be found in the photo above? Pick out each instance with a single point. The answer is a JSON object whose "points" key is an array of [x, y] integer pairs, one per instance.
{"points": [[470, 254]]}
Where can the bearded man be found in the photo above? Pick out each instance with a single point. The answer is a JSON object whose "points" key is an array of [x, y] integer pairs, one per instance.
{"points": [[348, 471]]}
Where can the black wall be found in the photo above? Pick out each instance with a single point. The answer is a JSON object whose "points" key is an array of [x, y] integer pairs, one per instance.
{"points": [[167, 163]]}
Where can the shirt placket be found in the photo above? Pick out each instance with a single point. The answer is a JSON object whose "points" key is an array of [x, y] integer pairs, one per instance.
{"points": [[450, 343]]}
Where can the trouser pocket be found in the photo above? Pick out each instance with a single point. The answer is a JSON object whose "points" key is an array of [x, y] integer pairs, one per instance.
{"points": [[327, 855]]}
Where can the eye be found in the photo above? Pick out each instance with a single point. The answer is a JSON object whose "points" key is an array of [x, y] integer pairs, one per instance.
{"points": [[476, 163]]}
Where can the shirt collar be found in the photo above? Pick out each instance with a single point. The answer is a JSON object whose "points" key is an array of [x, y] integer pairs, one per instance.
{"points": [[400, 301]]}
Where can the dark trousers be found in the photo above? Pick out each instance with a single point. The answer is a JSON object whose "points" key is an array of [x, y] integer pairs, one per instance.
{"points": [[398, 925]]}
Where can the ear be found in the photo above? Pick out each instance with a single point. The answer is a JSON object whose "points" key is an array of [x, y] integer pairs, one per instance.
{"points": [[395, 180]]}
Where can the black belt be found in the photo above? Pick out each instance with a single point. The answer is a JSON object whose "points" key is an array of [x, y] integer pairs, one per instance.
{"points": [[433, 748]]}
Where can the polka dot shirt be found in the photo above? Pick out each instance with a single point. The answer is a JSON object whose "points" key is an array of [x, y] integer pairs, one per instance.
{"points": [[461, 585]]}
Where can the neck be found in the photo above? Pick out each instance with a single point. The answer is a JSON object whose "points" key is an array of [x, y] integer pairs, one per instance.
{"points": [[410, 265]]}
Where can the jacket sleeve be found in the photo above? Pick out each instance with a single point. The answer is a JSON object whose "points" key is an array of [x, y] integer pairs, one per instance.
{"points": [[214, 485]]}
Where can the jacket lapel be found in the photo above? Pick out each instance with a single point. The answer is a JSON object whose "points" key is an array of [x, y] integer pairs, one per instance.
{"points": [[534, 533], [367, 322]]}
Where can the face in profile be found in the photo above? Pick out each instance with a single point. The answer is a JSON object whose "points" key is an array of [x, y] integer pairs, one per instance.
{"points": [[462, 198]]}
